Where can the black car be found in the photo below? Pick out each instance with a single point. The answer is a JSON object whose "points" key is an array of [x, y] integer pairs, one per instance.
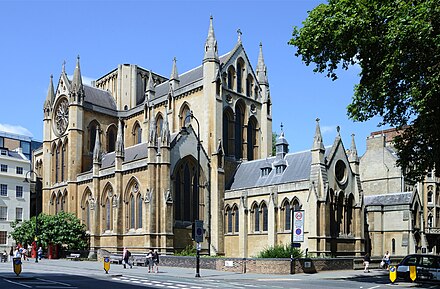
{"points": [[427, 267]]}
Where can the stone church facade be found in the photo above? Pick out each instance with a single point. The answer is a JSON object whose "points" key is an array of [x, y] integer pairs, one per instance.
{"points": [[115, 154]]}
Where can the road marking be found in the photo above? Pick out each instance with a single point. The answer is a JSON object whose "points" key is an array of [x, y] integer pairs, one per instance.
{"points": [[16, 283], [53, 287], [374, 287], [54, 282], [279, 279]]}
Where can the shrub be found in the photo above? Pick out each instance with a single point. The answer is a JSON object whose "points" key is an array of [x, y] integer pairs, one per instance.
{"points": [[189, 250], [280, 251]]}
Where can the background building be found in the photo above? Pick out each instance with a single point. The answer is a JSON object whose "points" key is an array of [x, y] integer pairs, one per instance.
{"points": [[410, 213], [14, 192]]}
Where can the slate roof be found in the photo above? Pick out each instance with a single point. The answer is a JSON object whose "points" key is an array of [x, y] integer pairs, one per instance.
{"points": [[402, 198], [132, 153], [186, 78], [99, 97], [248, 174]]}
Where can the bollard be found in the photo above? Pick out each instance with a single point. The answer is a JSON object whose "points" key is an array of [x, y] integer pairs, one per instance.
{"points": [[16, 263], [106, 264], [412, 273], [393, 274]]}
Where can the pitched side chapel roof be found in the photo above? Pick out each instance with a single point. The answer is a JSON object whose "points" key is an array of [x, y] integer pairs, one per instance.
{"points": [[248, 174], [187, 78], [401, 198], [136, 152], [99, 97]]}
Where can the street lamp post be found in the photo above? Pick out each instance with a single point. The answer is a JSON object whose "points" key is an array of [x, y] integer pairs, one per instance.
{"points": [[30, 180], [191, 116]]}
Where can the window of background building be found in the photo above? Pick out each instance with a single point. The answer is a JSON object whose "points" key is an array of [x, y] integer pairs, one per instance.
{"points": [[19, 170], [26, 147], [3, 237], [19, 192], [4, 168], [3, 213], [3, 190], [19, 214]]}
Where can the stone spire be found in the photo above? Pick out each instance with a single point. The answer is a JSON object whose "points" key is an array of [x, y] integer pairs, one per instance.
{"points": [[174, 74], [166, 135], [211, 53], [317, 139], [50, 93], [353, 157], [261, 68], [150, 90], [120, 151], [77, 85], [97, 148]]}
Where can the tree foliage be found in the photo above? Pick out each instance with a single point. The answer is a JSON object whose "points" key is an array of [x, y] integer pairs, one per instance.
{"points": [[274, 141], [397, 46], [61, 229]]}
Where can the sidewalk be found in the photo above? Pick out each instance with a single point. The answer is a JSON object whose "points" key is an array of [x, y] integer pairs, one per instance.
{"points": [[63, 266]]}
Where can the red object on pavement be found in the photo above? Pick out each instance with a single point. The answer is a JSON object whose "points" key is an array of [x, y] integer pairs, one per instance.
{"points": [[34, 250]]}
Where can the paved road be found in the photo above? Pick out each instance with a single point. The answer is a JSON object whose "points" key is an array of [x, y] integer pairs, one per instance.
{"points": [[62, 274]]}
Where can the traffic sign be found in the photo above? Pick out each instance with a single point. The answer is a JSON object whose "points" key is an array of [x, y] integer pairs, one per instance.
{"points": [[198, 231], [393, 273], [298, 226]]}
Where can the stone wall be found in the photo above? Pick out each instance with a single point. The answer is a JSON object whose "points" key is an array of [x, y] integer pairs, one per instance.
{"points": [[261, 266]]}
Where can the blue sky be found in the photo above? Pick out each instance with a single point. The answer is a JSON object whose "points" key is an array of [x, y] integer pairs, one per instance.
{"points": [[37, 36]]}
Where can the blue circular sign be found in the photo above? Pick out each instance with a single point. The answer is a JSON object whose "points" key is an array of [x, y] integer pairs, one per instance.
{"points": [[106, 259], [298, 231], [199, 231], [392, 269]]}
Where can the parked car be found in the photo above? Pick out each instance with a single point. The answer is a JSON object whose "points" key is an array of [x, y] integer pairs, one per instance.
{"points": [[427, 267]]}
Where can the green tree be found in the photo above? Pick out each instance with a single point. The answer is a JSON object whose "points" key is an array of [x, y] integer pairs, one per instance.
{"points": [[274, 141], [60, 229], [397, 46]]}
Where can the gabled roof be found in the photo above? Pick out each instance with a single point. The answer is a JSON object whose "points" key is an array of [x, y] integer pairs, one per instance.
{"points": [[248, 174]]}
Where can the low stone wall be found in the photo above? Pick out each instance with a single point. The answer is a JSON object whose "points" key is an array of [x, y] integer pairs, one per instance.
{"points": [[261, 265]]}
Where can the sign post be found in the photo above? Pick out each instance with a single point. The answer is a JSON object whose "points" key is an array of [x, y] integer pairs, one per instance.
{"points": [[107, 264]]}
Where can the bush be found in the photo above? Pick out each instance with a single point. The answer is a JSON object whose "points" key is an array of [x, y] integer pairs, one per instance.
{"points": [[189, 250], [280, 251]]}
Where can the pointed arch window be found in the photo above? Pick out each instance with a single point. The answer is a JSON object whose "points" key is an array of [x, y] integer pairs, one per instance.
{"points": [[229, 215], [252, 139], [92, 135], [87, 215], [228, 132], [132, 212], [63, 164], [108, 214], [231, 76], [236, 220], [111, 138], [137, 134], [256, 211], [287, 216], [139, 211], [430, 221], [185, 120], [57, 164], [239, 76], [239, 116], [264, 216]]}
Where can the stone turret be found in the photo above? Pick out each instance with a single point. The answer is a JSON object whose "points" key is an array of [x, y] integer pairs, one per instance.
{"points": [[97, 153], [211, 51], [150, 91], [318, 149], [318, 170], [174, 78], [50, 98], [119, 147], [266, 109], [77, 88], [353, 157]]}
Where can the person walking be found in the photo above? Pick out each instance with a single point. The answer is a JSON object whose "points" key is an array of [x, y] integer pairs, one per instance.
{"points": [[40, 253], [11, 254], [386, 259], [126, 258], [150, 260], [156, 260], [367, 261]]}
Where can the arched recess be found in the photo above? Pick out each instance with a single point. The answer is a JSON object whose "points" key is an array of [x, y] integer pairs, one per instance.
{"points": [[340, 214], [228, 219], [133, 203], [249, 85], [252, 139], [159, 125], [264, 216], [64, 201], [91, 135], [231, 77], [136, 133], [228, 131], [236, 219], [111, 133], [184, 112], [86, 200], [64, 161], [350, 215], [107, 207], [332, 208], [239, 124], [240, 73], [187, 202], [52, 203]]}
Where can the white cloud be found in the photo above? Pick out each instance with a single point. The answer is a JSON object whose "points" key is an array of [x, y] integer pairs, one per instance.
{"points": [[85, 79], [16, 129], [328, 129]]}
